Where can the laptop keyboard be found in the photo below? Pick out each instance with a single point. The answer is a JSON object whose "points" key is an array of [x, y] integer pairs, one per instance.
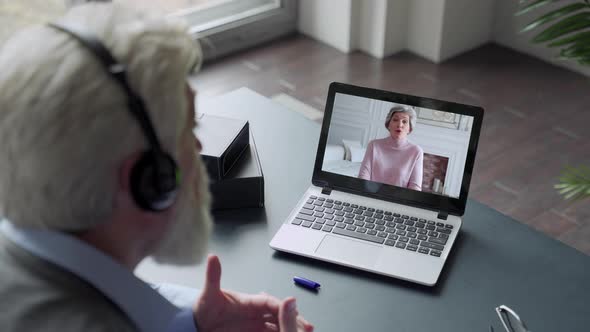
{"points": [[383, 227]]}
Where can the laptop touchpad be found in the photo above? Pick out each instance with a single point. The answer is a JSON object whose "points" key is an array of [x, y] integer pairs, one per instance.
{"points": [[349, 251]]}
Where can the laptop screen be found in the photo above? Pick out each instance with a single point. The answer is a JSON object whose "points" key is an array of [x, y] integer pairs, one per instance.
{"points": [[407, 148]]}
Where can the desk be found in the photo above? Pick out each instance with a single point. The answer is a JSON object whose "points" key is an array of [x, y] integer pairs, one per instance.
{"points": [[495, 260]]}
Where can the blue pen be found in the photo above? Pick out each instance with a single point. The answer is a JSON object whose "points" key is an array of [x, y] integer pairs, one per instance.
{"points": [[309, 284]]}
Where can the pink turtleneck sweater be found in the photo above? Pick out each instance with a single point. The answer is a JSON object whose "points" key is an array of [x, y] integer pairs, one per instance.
{"points": [[389, 161]]}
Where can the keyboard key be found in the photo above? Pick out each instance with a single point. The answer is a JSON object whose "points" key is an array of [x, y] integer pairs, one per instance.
{"points": [[338, 218], [330, 222], [308, 206], [349, 215], [410, 229], [430, 227], [397, 215], [444, 230], [306, 212], [369, 225], [400, 245], [320, 221], [327, 228], [305, 217], [390, 230], [340, 225], [362, 207], [339, 213], [380, 228], [318, 203], [348, 209], [443, 236], [313, 197], [372, 232], [380, 222], [345, 204], [420, 225], [411, 247], [321, 199], [358, 211], [306, 224], [351, 228], [389, 243], [421, 231], [378, 216], [393, 237], [431, 245], [405, 216], [371, 220], [440, 224], [390, 224], [348, 221], [422, 237], [398, 220], [401, 232], [330, 211], [430, 222], [435, 253], [338, 207], [329, 205], [309, 201], [414, 241], [387, 213], [411, 235], [359, 223], [422, 220], [423, 250], [361, 230], [354, 206], [296, 221], [330, 200], [359, 218], [318, 215], [379, 211], [368, 214], [409, 223], [449, 226], [403, 227], [413, 218], [360, 236], [316, 226], [388, 218], [328, 216], [404, 239], [433, 234], [371, 209], [382, 234], [338, 202], [437, 240], [319, 209]]}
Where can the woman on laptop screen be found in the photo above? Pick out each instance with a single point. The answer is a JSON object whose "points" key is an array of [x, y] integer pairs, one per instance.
{"points": [[394, 160]]}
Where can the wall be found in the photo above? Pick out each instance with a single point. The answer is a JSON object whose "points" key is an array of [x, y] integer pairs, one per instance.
{"points": [[467, 24], [328, 21], [425, 21], [396, 26], [506, 27]]}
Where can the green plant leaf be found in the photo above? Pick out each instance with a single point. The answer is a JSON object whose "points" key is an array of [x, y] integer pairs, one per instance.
{"points": [[582, 37], [570, 24], [575, 51], [554, 15], [531, 6], [574, 183]]}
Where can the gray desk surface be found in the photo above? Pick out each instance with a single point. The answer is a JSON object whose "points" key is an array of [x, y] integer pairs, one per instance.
{"points": [[495, 260]]}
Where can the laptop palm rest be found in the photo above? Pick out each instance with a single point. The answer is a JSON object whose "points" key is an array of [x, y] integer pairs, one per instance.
{"points": [[351, 252]]}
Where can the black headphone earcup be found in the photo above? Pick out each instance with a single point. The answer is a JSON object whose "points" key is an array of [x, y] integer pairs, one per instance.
{"points": [[152, 189]]}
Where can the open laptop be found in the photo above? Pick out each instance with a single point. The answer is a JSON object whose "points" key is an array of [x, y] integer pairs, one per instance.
{"points": [[375, 226]]}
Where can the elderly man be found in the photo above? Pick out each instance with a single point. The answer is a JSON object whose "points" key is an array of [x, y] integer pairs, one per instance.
{"points": [[99, 170]]}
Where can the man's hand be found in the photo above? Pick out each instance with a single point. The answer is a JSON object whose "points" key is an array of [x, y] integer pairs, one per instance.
{"points": [[220, 310]]}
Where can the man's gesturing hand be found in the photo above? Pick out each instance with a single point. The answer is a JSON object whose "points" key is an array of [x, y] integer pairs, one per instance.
{"points": [[220, 310]]}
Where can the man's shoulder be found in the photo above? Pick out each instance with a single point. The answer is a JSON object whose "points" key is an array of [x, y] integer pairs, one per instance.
{"points": [[39, 296]]}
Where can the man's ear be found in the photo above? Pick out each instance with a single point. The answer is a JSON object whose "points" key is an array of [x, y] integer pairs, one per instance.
{"points": [[125, 169]]}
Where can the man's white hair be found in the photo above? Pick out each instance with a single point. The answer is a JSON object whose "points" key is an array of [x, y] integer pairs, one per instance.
{"points": [[64, 124]]}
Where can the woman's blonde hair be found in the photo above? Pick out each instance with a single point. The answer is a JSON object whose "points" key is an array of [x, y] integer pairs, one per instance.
{"points": [[402, 109], [64, 124]]}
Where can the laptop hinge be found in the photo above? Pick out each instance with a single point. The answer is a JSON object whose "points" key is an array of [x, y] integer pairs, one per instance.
{"points": [[442, 215], [326, 190]]}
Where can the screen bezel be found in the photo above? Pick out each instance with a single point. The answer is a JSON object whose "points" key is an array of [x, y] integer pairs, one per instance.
{"points": [[435, 202]]}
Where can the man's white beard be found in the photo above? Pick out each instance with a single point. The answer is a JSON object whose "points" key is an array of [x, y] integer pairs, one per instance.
{"points": [[187, 239]]}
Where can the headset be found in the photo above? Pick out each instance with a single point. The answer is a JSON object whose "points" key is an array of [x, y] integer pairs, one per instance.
{"points": [[155, 177]]}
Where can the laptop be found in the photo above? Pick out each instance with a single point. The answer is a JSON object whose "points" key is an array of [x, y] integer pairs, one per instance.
{"points": [[380, 221]]}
